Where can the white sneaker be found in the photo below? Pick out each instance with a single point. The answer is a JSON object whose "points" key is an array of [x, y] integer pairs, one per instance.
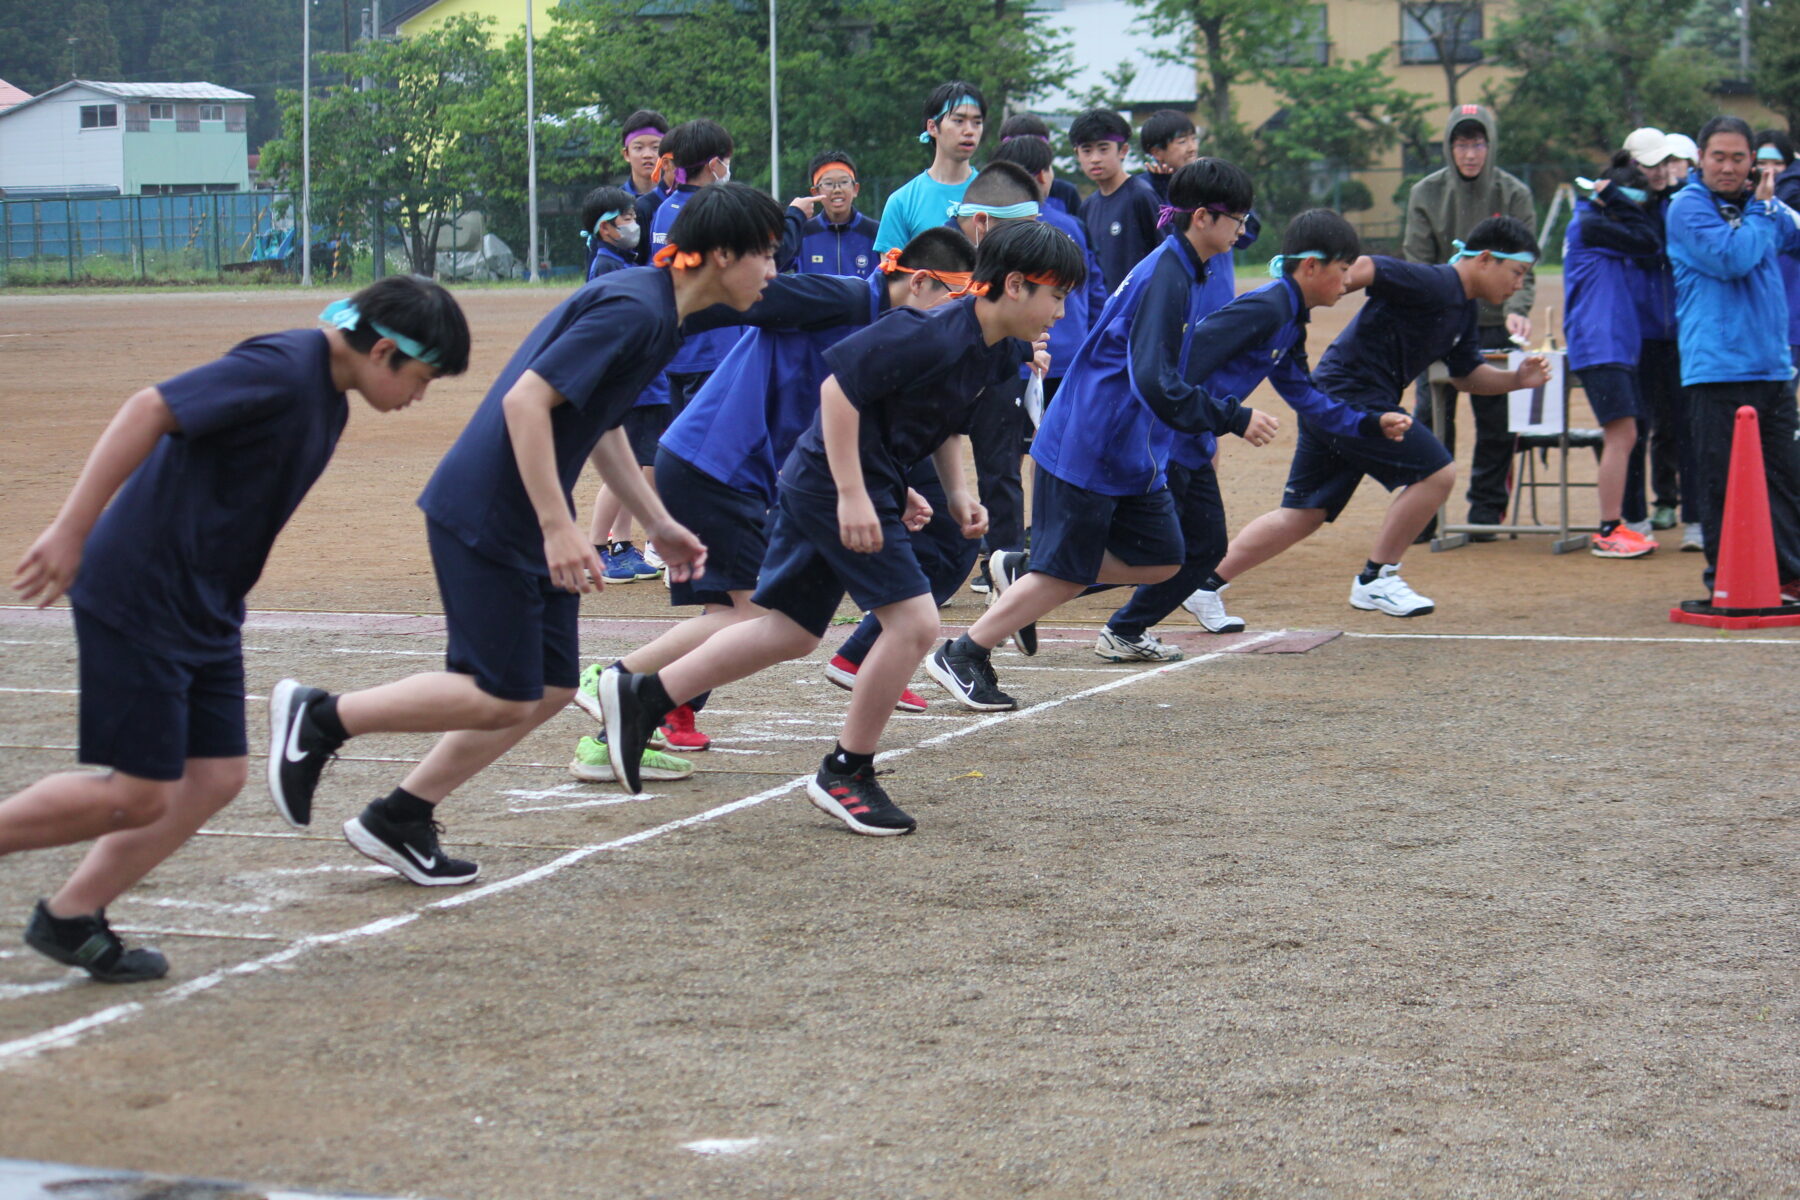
{"points": [[1116, 647], [1693, 538], [652, 557], [1640, 527], [1209, 609], [1388, 593]]}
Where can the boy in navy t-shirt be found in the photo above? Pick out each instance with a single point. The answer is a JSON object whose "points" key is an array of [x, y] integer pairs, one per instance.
{"points": [[207, 468], [901, 390], [511, 562], [1169, 142], [1121, 215], [1416, 314]]}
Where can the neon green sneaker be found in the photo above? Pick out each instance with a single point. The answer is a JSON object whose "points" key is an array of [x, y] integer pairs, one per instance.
{"points": [[593, 764], [587, 698]]}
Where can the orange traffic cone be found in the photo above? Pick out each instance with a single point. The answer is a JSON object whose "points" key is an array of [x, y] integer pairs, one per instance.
{"points": [[1746, 587]]}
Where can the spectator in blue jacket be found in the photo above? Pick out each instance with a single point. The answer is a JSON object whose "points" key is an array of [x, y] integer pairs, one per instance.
{"points": [[1724, 236], [838, 239], [1604, 254]]}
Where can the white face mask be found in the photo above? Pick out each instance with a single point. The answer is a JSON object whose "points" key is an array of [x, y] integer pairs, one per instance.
{"points": [[724, 175], [628, 236]]}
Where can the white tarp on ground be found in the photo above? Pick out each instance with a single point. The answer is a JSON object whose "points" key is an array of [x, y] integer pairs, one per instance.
{"points": [[493, 259]]}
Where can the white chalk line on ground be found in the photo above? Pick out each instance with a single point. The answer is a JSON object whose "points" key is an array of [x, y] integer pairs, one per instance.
{"points": [[71, 1032], [1723, 640]]}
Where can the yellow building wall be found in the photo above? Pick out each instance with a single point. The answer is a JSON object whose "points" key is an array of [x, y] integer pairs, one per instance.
{"points": [[509, 16]]}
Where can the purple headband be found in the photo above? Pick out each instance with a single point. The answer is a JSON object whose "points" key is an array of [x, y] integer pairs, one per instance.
{"points": [[1009, 137], [636, 133], [1168, 212]]}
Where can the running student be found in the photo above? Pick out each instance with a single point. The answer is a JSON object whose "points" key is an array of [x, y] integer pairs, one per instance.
{"points": [[207, 468], [716, 471], [838, 239], [1416, 314], [899, 391], [1101, 508], [1610, 255], [609, 229], [644, 133], [1062, 195], [955, 113], [1169, 142], [1259, 335], [1121, 215], [511, 563]]}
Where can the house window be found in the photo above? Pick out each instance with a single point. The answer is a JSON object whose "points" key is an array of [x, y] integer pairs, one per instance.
{"points": [[212, 112], [99, 116], [162, 112], [1310, 46], [1431, 33]]}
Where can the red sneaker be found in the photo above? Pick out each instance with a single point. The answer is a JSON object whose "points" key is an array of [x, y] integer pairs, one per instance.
{"points": [[1622, 543], [679, 732], [842, 672]]}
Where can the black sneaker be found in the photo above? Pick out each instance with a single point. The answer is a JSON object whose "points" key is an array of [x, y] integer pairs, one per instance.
{"points": [[859, 802], [981, 582], [298, 752], [1007, 566], [629, 724], [90, 943], [409, 847], [968, 677]]}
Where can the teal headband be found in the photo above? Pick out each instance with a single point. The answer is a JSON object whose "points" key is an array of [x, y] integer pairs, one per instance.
{"points": [[1278, 264], [588, 235], [925, 137], [1638, 195], [1463, 252], [1769, 154], [344, 315], [1004, 212]]}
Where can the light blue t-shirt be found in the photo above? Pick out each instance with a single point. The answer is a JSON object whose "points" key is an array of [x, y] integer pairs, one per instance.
{"points": [[920, 204]]}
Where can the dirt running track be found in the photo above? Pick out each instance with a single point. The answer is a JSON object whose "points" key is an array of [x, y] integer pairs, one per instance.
{"points": [[1505, 912]]}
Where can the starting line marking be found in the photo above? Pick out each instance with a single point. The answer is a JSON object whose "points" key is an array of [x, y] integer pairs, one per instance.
{"points": [[1575, 637], [71, 1032]]}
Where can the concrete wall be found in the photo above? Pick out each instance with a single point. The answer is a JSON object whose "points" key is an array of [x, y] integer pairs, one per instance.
{"points": [[44, 145]]}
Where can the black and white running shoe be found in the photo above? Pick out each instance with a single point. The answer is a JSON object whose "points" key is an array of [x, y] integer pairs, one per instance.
{"points": [[1006, 567], [968, 677], [409, 847], [858, 801], [298, 752], [629, 724]]}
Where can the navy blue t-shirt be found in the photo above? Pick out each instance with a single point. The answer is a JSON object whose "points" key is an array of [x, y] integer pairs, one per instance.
{"points": [[1415, 315], [914, 378], [171, 559], [1121, 228]]}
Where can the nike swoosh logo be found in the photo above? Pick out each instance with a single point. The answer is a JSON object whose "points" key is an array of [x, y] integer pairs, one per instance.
{"points": [[294, 753], [423, 861]]}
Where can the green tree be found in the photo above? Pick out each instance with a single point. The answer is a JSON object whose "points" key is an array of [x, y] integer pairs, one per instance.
{"points": [[1453, 31], [1231, 40], [1775, 33], [404, 142]]}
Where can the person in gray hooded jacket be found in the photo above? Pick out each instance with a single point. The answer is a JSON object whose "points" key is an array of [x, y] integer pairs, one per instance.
{"points": [[1443, 207]]}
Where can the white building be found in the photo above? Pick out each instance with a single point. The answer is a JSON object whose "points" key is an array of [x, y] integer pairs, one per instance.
{"points": [[127, 138]]}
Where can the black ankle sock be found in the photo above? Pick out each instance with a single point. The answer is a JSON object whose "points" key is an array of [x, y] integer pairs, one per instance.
{"points": [[405, 808], [324, 716], [617, 547], [1607, 527], [603, 548], [1370, 570], [1213, 583], [962, 645], [845, 762], [654, 697]]}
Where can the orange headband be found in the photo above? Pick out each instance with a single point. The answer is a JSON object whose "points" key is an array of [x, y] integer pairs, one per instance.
{"points": [[846, 166], [956, 281], [982, 289], [666, 160], [675, 256]]}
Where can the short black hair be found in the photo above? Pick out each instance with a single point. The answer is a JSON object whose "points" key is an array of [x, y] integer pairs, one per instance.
{"points": [[1323, 231], [939, 248], [1033, 248], [1209, 181], [831, 156], [643, 118], [1028, 153], [1164, 126], [733, 217], [1470, 128], [1002, 183], [603, 200], [1624, 171], [947, 94], [1099, 125], [1778, 139], [418, 308], [1024, 125], [693, 144], [1723, 124], [1506, 235]]}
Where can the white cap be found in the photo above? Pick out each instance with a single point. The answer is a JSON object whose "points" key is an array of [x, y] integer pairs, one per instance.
{"points": [[1682, 146], [1648, 145]]}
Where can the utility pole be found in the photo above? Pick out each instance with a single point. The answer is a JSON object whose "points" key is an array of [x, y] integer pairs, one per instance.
{"points": [[305, 143], [774, 113], [531, 147], [378, 243]]}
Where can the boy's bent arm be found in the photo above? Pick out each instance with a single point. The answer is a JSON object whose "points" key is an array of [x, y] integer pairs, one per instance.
{"points": [[573, 563], [49, 567], [841, 427]]}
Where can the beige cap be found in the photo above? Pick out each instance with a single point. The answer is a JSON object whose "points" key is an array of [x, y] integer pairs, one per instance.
{"points": [[1648, 145], [1680, 145]]}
